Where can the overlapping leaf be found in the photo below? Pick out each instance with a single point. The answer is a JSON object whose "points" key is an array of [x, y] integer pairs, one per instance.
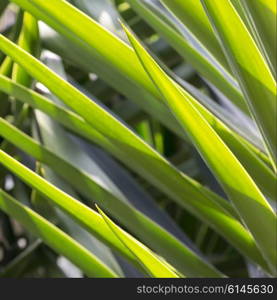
{"points": [[237, 183], [255, 78], [54, 237]]}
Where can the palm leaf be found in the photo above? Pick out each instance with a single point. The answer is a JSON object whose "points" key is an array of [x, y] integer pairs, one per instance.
{"points": [[256, 79], [54, 237], [236, 181]]}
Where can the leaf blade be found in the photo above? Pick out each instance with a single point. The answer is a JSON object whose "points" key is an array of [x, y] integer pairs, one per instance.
{"points": [[152, 264], [54, 237], [237, 183], [255, 79]]}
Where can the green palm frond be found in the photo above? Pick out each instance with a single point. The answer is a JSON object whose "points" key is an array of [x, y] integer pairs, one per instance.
{"points": [[144, 149]]}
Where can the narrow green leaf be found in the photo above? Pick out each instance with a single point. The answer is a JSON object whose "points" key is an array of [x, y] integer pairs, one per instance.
{"points": [[207, 211], [242, 149], [246, 17], [27, 40], [104, 11], [262, 13], [134, 82], [99, 168], [103, 60], [90, 62], [90, 242], [246, 153], [207, 67], [182, 189], [79, 32], [6, 66], [54, 237], [241, 189], [193, 16], [110, 127], [66, 223], [255, 78], [85, 216], [101, 64], [5, 69], [149, 260], [147, 230]]}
